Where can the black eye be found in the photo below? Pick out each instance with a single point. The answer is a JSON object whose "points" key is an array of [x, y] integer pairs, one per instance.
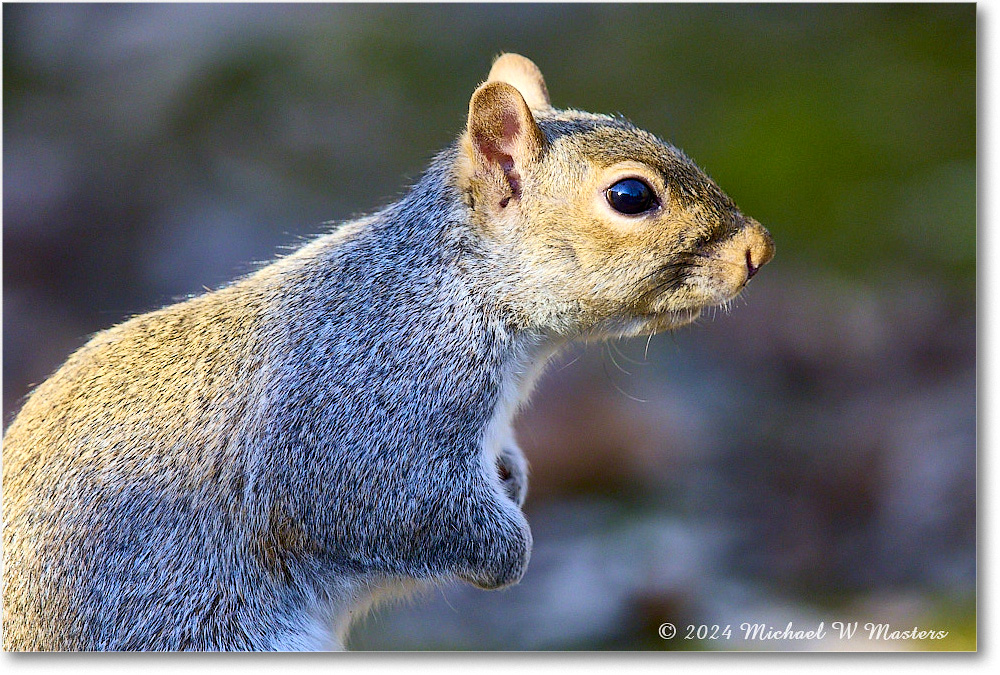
{"points": [[631, 196]]}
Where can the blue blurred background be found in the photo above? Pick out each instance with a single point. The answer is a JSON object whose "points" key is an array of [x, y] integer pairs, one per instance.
{"points": [[809, 456]]}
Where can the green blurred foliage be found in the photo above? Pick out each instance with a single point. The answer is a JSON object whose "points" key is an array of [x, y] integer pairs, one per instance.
{"points": [[849, 130], [959, 617]]}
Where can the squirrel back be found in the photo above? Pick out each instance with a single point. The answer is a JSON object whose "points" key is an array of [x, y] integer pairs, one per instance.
{"points": [[254, 467]]}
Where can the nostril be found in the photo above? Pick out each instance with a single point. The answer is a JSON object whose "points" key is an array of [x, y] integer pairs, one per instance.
{"points": [[751, 268]]}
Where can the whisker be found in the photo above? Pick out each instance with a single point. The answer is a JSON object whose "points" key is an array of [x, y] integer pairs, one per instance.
{"points": [[611, 354], [570, 363], [625, 356], [670, 270], [615, 384]]}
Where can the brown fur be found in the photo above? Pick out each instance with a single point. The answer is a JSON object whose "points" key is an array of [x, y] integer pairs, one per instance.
{"points": [[569, 261]]}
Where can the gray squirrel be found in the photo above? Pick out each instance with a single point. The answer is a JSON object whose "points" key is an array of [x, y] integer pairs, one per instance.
{"points": [[255, 467]]}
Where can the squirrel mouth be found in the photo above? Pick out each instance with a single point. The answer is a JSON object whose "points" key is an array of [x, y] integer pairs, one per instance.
{"points": [[682, 302]]}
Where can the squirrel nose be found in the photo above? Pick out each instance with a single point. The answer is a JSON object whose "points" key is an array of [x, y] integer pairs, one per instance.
{"points": [[761, 249]]}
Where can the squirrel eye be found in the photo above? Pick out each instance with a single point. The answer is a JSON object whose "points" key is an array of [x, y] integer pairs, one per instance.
{"points": [[631, 196]]}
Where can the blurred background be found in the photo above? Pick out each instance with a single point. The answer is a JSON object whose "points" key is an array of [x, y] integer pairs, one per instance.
{"points": [[809, 456]]}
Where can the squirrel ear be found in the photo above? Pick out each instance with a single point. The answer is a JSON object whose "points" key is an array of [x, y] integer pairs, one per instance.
{"points": [[523, 75], [503, 133]]}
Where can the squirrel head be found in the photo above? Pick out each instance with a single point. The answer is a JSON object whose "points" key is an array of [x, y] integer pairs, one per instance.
{"points": [[589, 224]]}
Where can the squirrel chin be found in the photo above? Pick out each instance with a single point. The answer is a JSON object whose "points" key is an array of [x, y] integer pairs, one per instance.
{"points": [[642, 324]]}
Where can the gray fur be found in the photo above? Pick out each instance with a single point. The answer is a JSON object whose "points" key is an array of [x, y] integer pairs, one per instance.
{"points": [[251, 469], [313, 431]]}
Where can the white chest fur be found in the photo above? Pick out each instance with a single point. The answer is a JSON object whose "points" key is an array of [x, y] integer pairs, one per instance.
{"points": [[521, 373]]}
